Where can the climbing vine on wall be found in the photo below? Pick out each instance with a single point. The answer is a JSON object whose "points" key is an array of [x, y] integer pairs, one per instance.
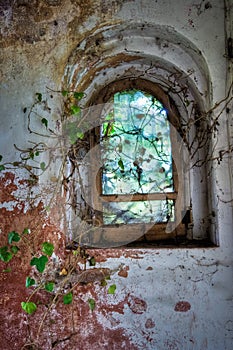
{"points": [[48, 273], [65, 139]]}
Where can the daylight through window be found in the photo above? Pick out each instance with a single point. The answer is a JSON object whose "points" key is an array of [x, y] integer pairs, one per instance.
{"points": [[137, 155]]}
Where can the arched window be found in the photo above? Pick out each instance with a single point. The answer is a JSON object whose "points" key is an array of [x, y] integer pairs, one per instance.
{"points": [[139, 187], [136, 152]]}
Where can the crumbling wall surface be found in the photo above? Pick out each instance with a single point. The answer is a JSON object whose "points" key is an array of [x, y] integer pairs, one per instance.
{"points": [[167, 298]]}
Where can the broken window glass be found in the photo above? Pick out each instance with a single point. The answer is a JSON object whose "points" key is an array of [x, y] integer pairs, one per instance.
{"points": [[136, 155]]}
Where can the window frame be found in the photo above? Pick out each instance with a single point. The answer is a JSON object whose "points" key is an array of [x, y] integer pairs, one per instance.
{"points": [[150, 233]]}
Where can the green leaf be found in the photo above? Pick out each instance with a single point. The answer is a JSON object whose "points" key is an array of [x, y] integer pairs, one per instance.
{"points": [[109, 129], [73, 139], [37, 153], [5, 255], [45, 122], [13, 237], [14, 249], [64, 93], [39, 96], [103, 283], [78, 95], [91, 303], [112, 289], [26, 231], [31, 155], [92, 261], [29, 282], [75, 109], [68, 298], [43, 166], [2, 167], [7, 270], [40, 262], [49, 286], [47, 248], [29, 307], [121, 164], [80, 135]]}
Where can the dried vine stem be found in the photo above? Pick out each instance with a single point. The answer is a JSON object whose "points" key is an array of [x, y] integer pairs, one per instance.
{"points": [[72, 155]]}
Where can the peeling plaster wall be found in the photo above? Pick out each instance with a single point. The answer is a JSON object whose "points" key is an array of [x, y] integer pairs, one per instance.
{"points": [[166, 298]]}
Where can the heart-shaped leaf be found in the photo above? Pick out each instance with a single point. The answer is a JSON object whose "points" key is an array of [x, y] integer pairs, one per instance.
{"points": [[5, 255], [92, 261], [78, 95], [40, 262], [42, 166], [47, 248], [39, 96], [75, 109], [112, 289], [14, 249], [29, 307], [13, 237], [121, 164], [45, 122], [91, 303], [67, 298], [26, 231], [29, 282], [49, 286]]}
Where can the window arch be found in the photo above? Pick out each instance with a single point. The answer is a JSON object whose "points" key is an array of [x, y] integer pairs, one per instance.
{"points": [[186, 95]]}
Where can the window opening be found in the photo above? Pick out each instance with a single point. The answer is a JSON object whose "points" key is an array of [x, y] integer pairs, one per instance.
{"points": [[137, 181], [138, 186]]}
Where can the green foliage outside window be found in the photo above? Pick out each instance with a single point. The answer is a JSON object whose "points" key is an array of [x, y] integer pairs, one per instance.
{"points": [[137, 155]]}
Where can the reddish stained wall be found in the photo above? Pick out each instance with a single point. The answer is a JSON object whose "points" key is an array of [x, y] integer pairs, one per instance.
{"points": [[67, 326]]}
